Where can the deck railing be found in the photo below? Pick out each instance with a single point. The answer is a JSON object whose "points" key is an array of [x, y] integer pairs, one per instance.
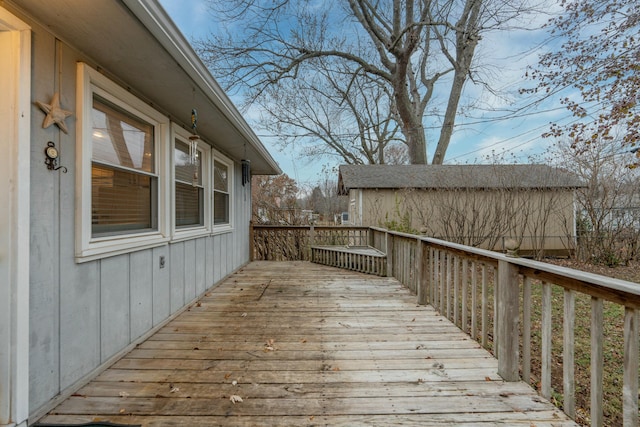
{"points": [[293, 242], [532, 315]]}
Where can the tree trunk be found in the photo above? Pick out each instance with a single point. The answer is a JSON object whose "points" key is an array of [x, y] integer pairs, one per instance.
{"points": [[449, 118], [466, 41]]}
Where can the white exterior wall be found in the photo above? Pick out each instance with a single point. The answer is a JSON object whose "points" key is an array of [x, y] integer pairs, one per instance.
{"points": [[82, 315]]}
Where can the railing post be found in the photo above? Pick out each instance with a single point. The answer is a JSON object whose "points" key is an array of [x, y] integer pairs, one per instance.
{"points": [[251, 241], [389, 244], [422, 259], [507, 320]]}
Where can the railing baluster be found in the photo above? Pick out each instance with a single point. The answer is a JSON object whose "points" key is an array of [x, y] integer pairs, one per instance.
{"points": [[568, 366], [597, 360], [474, 302], [630, 382], [545, 390], [464, 288], [456, 286], [422, 276], [448, 283], [526, 330], [443, 279], [485, 301], [496, 338]]}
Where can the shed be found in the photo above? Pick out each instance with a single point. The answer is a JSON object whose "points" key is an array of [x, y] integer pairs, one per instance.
{"points": [[116, 212], [478, 205]]}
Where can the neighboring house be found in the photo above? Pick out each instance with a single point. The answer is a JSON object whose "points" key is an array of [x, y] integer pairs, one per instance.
{"points": [[478, 205], [112, 218]]}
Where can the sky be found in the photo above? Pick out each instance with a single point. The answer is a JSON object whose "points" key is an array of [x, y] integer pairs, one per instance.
{"points": [[480, 135]]}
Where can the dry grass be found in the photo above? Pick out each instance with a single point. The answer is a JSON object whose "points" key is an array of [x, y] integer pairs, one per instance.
{"points": [[613, 344]]}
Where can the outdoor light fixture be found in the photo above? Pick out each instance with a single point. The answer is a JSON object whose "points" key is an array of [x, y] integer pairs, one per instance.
{"points": [[51, 157]]}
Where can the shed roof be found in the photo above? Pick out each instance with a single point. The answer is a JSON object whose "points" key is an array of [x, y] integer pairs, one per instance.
{"points": [[454, 176], [136, 43]]}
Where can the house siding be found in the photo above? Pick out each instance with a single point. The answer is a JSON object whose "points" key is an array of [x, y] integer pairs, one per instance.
{"points": [[84, 314]]}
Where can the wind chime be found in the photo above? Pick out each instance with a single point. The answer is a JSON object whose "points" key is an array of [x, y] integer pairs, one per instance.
{"points": [[193, 146]]}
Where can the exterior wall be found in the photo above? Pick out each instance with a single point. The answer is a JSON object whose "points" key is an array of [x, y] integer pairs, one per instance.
{"points": [[538, 219], [84, 314]]}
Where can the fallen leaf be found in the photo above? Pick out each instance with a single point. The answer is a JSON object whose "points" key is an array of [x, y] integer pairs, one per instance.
{"points": [[268, 346], [198, 304], [487, 378], [227, 376], [413, 320], [235, 399], [303, 341], [122, 411]]}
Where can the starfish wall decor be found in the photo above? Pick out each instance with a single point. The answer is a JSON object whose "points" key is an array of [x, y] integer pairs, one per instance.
{"points": [[55, 114]]}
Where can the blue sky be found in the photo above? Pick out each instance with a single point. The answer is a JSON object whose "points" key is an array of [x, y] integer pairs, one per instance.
{"points": [[475, 137]]}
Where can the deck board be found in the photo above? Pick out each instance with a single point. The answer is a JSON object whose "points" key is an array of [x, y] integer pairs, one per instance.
{"points": [[306, 344]]}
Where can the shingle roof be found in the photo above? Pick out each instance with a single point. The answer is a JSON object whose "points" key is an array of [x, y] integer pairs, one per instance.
{"points": [[454, 176]]}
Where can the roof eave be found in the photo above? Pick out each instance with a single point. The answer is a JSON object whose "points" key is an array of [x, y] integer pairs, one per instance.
{"points": [[156, 20]]}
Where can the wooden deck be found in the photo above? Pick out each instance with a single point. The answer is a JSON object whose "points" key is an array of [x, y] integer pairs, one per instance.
{"points": [[305, 344]]}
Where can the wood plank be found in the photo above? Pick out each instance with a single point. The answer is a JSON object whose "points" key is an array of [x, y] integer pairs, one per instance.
{"points": [[525, 419], [306, 344]]}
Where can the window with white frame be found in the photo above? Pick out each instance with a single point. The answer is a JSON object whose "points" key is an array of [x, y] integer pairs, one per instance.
{"points": [[122, 177], [222, 182], [191, 177]]}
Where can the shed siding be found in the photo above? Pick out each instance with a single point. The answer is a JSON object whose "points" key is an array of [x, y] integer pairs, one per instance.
{"points": [[83, 314], [546, 214]]}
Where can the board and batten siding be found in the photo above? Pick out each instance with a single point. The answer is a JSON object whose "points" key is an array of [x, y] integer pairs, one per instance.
{"points": [[82, 315]]}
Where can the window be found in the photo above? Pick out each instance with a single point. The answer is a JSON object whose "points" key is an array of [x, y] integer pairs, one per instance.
{"points": [[222, 180], [191, 183], [124, 182], [122, 177], [189, 193]]}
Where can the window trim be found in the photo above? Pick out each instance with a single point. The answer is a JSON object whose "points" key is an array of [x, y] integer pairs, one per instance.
{"points": [[90, 81], [184, 233], [218, 157]]}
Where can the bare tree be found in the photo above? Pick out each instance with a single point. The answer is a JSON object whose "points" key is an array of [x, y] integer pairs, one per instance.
{"points": [[417, 46], [332, 113], [609, 206], [599, 58]]}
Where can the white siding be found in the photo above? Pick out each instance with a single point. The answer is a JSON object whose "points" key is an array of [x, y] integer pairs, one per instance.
{"points": [[83, 314]]}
